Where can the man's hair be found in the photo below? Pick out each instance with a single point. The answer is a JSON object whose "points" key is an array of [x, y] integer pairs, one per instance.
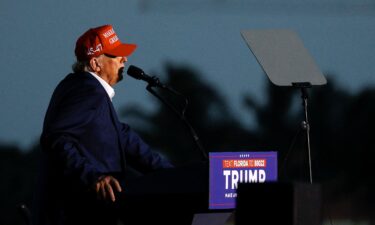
{"points": [[80, 66]]}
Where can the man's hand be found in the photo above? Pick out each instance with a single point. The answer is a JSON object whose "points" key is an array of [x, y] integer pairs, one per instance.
{"points": [[105, 187]]}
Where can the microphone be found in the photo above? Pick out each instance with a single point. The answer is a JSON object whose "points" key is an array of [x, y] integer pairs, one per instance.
{"points": [[139, 74]]}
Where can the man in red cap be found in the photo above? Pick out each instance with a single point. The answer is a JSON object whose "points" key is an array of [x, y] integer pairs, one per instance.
{"points": [[86, 150]]}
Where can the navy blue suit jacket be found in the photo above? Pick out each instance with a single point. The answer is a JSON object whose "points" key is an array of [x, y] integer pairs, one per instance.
{"points": [[83, 139]]}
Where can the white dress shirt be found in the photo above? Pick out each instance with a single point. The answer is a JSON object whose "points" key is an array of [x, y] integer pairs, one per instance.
{"points": [[110, 91]]}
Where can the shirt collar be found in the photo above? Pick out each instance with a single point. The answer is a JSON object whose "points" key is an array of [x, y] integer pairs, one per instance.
{"points": [[110, 91]]}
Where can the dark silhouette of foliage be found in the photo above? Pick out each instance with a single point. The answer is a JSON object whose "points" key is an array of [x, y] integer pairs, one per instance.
{"points": [[18, 173], [358, 143]]}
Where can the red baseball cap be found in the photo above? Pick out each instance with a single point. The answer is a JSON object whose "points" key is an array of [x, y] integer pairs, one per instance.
{"points": [[101, 40]]}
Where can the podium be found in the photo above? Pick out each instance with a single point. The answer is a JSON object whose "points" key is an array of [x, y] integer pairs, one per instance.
{"points": [[278, 203], [169, 196], [180, 196]]}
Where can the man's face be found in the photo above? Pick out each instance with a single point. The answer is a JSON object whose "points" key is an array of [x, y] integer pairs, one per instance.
{"points": [[111, 68]]}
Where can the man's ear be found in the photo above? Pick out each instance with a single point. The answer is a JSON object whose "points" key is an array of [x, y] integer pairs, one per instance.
{"points": [[95, 65]]}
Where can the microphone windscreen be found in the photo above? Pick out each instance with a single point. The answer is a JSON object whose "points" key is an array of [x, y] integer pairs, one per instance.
{"points": [[135, 72]]}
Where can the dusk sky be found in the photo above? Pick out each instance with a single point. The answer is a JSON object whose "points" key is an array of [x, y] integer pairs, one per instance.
{"points": [[38, 38]]}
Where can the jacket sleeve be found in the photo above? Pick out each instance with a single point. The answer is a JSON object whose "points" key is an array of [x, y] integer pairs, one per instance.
{"points": [[66, 123], [139, 154]]}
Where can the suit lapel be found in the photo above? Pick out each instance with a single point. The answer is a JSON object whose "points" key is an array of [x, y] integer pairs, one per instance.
{"points": [[117, 125]]}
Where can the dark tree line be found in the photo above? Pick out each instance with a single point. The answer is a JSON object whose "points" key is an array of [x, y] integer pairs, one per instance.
{"points": [[18, 171], [341, 133]]}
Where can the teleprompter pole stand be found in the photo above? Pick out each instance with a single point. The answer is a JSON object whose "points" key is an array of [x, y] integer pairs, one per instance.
{"points": [[305, 124], [180, 114]]}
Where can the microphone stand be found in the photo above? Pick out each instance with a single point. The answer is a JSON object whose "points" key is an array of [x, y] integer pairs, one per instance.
{"points": [[157, 83]]}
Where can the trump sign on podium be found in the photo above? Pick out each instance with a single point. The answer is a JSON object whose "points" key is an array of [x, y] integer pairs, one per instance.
{"points": [[228, 169]]}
